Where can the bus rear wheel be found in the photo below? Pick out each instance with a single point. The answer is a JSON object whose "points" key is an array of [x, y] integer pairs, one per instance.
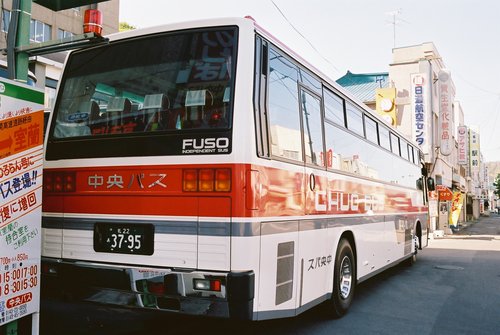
{"points": [[344, 280]]}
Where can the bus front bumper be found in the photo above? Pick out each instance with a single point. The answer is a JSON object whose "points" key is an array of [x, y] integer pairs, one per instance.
{"points": [[218, 294]]}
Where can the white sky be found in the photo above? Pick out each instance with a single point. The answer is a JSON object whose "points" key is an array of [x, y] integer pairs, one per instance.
{"points": [[356, 35]]}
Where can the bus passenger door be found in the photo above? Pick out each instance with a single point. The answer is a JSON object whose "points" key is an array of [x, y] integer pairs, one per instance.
{"points": [[315, 260]]}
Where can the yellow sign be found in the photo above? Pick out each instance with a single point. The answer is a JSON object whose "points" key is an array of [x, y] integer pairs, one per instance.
{"points": [[385, 99], [456, 207]]}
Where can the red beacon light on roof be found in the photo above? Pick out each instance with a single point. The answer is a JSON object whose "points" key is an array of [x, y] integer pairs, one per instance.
{"points": [[92, 22]]}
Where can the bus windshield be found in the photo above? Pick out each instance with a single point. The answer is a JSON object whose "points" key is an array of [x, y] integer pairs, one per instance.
{"points": [[168, 83]]}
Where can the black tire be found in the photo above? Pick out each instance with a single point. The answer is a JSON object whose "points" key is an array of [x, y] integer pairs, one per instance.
{"points": [[344, 280], [413, 259]]}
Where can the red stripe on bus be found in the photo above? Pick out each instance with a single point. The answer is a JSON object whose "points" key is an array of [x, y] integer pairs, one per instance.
{"points": [[256, 191]]}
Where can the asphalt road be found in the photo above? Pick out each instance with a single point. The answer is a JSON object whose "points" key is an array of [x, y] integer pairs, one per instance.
{"points": [[454, 288]]}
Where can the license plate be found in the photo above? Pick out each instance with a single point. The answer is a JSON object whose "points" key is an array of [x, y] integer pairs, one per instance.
{"points": [[132, 239]]}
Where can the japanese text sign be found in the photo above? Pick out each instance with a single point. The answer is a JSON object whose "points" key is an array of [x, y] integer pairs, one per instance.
{"points": [[21, 158], [446, 123], [420, 110]]}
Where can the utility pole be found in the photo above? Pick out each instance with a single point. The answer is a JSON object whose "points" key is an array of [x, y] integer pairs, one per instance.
{"points": [[19, 34], [18, 48]]}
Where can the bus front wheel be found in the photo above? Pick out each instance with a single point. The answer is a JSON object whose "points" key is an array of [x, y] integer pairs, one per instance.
{"points": [[344, 280]]}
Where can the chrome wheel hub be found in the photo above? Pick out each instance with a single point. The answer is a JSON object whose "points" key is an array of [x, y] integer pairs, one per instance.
{"points": [[345, 277]]}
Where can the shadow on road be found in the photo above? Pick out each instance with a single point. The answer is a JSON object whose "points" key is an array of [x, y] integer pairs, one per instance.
{"points": [[59, 317]]}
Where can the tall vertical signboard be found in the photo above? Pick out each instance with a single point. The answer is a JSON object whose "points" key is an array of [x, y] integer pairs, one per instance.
{"points": [[446, 126], [421, 111], [463, 145], [21, 158], [474, 146]]}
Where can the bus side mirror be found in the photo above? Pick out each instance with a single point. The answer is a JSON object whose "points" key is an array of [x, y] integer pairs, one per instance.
{"points": [[431, 185], [420, 184]]}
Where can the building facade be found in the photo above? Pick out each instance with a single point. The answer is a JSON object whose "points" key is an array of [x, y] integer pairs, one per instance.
{"points": [[48, 25], [427, 112]]}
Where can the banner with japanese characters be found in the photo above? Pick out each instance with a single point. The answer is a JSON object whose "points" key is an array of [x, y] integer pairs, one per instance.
{"points": [[21, 159], [456, 207]]}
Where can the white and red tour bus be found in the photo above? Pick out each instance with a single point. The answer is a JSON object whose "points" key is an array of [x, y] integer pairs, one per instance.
{"points": [[205, 168]]}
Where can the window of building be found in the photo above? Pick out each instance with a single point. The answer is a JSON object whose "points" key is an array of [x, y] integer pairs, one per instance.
{"points": [[436, 129], [5, 20], [63, 34], [40, 32], [284, 117]]}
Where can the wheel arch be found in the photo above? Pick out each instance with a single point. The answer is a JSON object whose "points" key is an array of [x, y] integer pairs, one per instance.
{"points": [[349, 236], [418, 232], [336, 305]]}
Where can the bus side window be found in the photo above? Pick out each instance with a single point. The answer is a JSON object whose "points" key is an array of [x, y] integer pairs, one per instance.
{"points": [[284, 114], [395, 144], [371, 130], [313, 130], [354, 119], [383, 133]]}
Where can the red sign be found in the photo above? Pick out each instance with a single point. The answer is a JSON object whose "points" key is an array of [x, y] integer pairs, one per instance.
{"points": [[21, 133], [19, 300], [433, 195], [444, 193]]}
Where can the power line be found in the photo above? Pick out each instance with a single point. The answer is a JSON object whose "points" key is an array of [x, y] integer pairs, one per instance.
{"points": [[305, 38], [493, 133], [476, 87]]}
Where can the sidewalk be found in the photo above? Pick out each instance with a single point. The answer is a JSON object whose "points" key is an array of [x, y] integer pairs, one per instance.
{"points": [[483, 234]]}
